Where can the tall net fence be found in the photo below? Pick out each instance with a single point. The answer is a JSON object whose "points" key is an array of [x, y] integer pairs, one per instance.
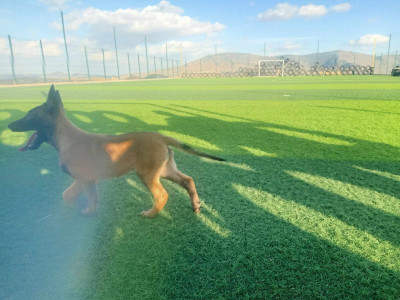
{"points": [[26, 61], [37, 61]]}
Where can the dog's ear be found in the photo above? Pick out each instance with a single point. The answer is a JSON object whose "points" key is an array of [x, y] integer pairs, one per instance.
{"points": [[53, 102]]}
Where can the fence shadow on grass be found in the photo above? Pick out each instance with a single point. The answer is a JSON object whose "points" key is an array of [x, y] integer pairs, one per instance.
{"points": [[290, 180], [281, 218], [357, 109], [238, 245]]}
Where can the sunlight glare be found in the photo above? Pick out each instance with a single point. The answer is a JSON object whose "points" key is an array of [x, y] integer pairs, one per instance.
{"points": [[115, 118], [83, 118], [4, 115], [258, 152], [44, 171], [9, 138], [380, 173], [214, 226], [377, 200], [192, 141], [135, 184]]}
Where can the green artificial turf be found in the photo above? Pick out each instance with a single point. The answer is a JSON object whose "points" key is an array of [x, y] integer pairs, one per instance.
{"points": [[307, 205]]}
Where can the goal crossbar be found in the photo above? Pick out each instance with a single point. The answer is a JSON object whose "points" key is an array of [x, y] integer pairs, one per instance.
{"points": [[271, 60]]}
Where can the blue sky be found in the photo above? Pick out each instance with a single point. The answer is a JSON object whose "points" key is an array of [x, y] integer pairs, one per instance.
{"points": [[195, 28]]}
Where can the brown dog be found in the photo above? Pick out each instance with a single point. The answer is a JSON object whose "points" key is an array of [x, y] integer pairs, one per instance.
{"points": [[89, 157]]}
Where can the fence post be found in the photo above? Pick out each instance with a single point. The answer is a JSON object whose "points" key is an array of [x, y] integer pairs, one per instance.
{"points": [[43, 62], [104, 65], [138, 60], [129, 67], [216, 64], [147, 58], [181, 64], [116, 52], [66, 48], [12, 59], [265, 50], [177, 68], [373, 54], [155, 67], [162, 71], [87, 64], [166, 55], [387, 61]]}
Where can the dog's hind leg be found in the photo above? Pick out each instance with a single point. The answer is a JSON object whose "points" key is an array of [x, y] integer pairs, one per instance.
{"points": [[187, 183], [172, 173], [93, 198], [159, 193], [71, 193]]}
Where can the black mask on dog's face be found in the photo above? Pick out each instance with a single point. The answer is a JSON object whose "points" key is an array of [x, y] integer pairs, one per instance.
{"points": [[42, 119]]}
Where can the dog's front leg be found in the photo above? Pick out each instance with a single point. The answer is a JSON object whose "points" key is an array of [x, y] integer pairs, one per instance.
{"points": [[71, 193], [93, 198]]}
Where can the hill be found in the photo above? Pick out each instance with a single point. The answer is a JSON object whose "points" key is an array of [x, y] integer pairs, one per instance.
{"points": [[231, 62]]}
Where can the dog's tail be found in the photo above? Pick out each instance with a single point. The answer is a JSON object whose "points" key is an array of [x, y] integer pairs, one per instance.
{"points": [[186, 148]]}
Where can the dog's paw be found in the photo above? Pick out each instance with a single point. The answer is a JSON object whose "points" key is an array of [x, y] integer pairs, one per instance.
{"points": [[147, 214], [197, 210]]}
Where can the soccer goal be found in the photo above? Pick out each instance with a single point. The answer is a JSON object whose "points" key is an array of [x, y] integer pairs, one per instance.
{"points": [[271, 67]]}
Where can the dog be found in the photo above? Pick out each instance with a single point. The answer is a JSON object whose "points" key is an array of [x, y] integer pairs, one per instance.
{"points": [[88, 157]]}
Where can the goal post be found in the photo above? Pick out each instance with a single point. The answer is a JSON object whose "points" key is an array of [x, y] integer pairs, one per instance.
{"points": [[271, 67]]}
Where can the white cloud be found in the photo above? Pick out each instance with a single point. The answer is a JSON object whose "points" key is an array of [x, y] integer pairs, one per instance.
{"points": [[4, 48], [282, 11], [98, 56], [30, 48], [368, 39], [175, 47], [312, 11], [189, 49], [286, 11], [343, 7], [52, 48], [164, 6], [160, 23]]}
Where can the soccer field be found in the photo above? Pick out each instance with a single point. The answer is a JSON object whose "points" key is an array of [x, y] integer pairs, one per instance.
{"points": [[306, 206]]}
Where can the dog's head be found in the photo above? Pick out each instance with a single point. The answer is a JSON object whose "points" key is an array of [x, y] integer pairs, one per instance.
{"points": [[42, 119]]}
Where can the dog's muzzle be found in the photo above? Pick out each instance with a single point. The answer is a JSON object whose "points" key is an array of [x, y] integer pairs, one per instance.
{"points": [[19, 126]]}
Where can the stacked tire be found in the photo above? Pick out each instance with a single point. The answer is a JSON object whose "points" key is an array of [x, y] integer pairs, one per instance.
{"points": [[291, 68]]}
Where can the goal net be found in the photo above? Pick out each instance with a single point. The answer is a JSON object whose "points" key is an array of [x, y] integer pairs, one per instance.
{"points": [[271, 67]]}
